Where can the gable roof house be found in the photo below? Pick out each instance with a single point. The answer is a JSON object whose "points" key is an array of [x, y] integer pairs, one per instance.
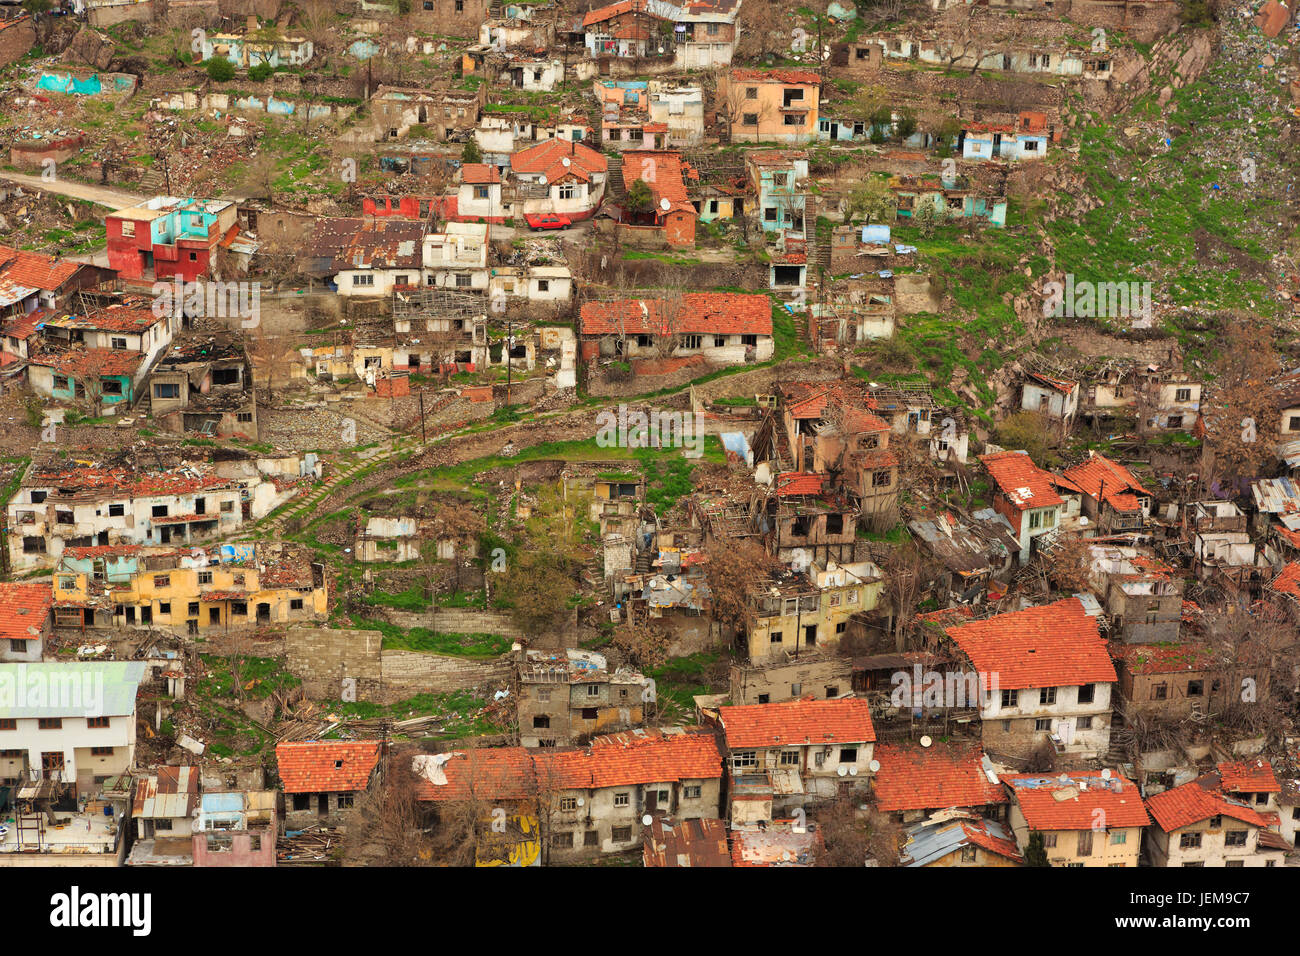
{"points": [[722, 328], [765, 106], [962, 839], [1025, 495], [781, 756], [1047, 677], [1204, 823], [670, 220], [913, 781], [321, 778], [32, 280], [1086, 817], [377, 258], [24, 620], [557, 176], [1113, 499]]}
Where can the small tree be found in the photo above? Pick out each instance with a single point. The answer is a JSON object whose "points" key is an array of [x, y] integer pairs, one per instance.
{"points": [[1035, 851], [1027, 431], [219, 70], [639, 197], [471, 153], [873, 200]]}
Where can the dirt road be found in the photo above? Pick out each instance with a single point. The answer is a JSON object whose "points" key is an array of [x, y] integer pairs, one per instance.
{"points": [[101, 195]]}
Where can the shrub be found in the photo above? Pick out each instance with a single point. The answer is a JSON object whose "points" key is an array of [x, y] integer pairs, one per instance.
{"points": [[263, 71], [219, 70]]}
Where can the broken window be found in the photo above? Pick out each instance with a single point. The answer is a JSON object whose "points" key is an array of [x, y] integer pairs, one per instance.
{"points": [[621, 834]]}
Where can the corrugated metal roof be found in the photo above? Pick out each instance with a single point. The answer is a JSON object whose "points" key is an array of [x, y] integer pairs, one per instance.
{"points": [[172, 793]]}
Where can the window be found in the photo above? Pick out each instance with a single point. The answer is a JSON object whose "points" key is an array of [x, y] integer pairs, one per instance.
{"points": [[719, 341], [1195, 688], [789, 758], [621, 834], [346, 800], [128, 230], [1189, 841], [832, 690], [543, 285], [460, 6], [692, 793], [848, 755], [302, 801], [119, 343], [796, 690], [1183, 395], [593, 690], [8, 723], [794, 119], [1049, 840], [1047, 695], [751, 92], [1234, 863], [1235, 838], [116, 511], [33, 545], [1119, 837], [164, 607], [428, 4], [621, 799], [194, 257], [1085, 843], [1011, 698], [692, 341], [542, 722], [567, 191], [18, 645], [227, 506], [562, 841], [101, 751], [1159, 691], [1083, 723], [749, 340], [544, 696], [881, 479], [769, 214], [749, 119], [1042, 724], [1087, 693], [97, 723], [589, 713], [1174, 421], [158, 511], [1295, 423], [568, 803], [774, 637], [591, 838], [205, 577], [162, 580], [193, 609], [49, 723], [744, 760], [968, 854], [359, 281]]}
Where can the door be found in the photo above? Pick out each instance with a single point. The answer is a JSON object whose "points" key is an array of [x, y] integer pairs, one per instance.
{"points": [[322, 805], [130, 615], [263, 613], [214, 615], [200, 506], [810, 635], [997, 144]]}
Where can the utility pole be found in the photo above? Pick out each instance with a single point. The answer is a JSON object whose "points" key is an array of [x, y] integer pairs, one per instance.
{"points": [[509, 337], [423, 438]]}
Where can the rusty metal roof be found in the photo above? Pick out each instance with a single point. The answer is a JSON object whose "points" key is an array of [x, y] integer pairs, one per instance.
{"points": [[171, 793]]}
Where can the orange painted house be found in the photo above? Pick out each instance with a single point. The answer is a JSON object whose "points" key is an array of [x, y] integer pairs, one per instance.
{"points": [[769, 106]]}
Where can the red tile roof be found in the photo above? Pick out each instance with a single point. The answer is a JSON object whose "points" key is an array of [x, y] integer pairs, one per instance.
{"points": [[799, 483], [86, 362], [548, 158], [933, 778], [635, 757], [116, 318], [601, 14], [798, 722], [1022, 482], [977, 833], [1101, 477], [665, 174], [1048, 803], [627, 759], [1288, 580], [704, 313], [326, 766], [1255, 776], [1055, 645], [36, 271], [788, 77], [24, 606], [476, 174], [495, 773], [1199, 800], [1165, 658]]}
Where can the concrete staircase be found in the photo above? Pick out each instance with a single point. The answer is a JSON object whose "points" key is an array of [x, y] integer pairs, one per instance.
{"points": [[617, 188]]}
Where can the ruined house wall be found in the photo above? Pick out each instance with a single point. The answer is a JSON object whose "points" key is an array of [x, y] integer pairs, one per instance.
{"points": [[120, 13], [443, 18], [789, 681]]}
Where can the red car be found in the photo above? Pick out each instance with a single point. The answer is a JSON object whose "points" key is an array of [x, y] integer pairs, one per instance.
{"points": [[547, 221]]}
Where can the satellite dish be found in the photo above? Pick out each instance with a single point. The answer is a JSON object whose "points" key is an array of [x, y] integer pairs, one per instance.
{"points": [[664, 204], [925, 740], [581, 801], [1105, 775], [542, 180], [853, 771], [647, 820], [566, 162], [842, 770], [874, 766]]}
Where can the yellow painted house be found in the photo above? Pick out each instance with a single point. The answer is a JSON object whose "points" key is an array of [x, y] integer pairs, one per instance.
{"points": [[798, 611], [189, 589]]}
